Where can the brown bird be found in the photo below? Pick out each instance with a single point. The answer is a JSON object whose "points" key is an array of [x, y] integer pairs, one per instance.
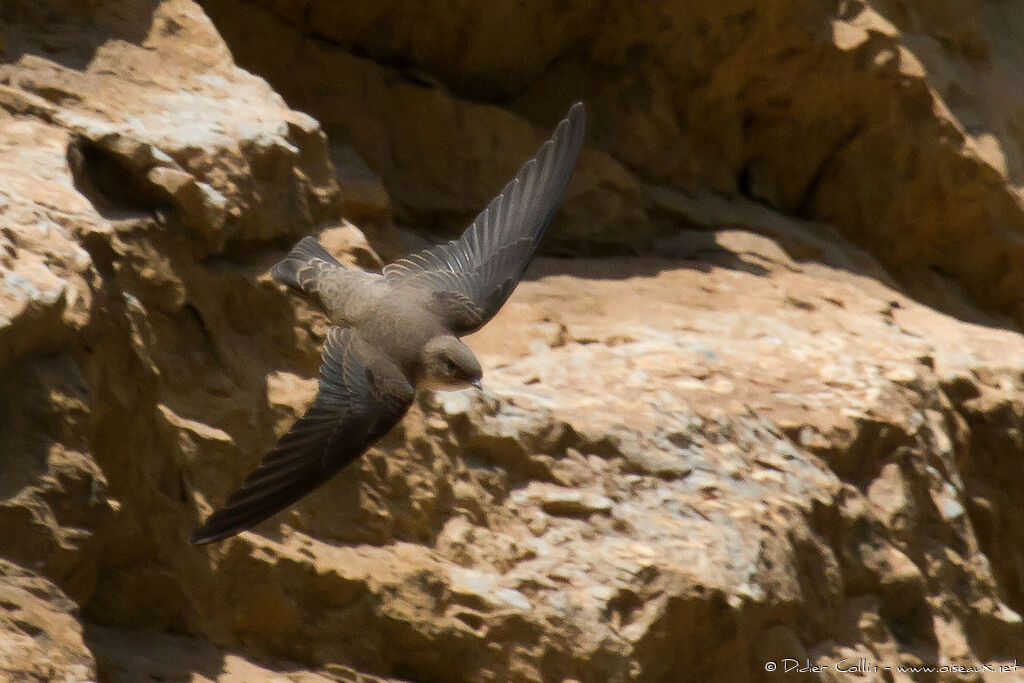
{"points": [[398, 331]]}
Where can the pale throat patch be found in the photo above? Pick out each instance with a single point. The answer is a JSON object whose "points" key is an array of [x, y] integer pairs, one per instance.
{"points": [[439, 383]]}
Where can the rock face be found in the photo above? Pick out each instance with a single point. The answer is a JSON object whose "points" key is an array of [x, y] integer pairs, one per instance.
{"points": [[41, 637], [896, 122], [749, 444]]}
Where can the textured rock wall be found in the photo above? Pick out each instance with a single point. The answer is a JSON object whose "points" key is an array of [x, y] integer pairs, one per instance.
{"points": [[897, 122], [754, 442]]}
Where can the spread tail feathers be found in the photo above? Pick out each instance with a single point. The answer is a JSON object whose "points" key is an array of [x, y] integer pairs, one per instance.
{"points": [[301, 256]]}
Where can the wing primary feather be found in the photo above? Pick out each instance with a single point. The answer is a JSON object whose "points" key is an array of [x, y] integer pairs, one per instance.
{"points": [[482, 265], [344, 420]]}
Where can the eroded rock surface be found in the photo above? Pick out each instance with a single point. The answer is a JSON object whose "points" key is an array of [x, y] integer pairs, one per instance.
{"points": [[751, 442], [897, 122], [40, 634]]}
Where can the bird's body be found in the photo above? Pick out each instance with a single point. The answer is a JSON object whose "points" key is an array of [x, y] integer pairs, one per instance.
{"points": [[366, 303], [397, 331]]}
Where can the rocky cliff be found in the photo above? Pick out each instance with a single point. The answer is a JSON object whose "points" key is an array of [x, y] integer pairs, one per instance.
{"points": [[769, 409]]}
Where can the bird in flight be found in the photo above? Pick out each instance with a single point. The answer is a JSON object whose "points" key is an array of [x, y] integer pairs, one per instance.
{"points": [[399, 330]]}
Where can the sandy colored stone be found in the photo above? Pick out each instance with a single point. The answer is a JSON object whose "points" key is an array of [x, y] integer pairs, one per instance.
{"points": [[749, 443], [140, 655], [896, 123], [441, 157], [40, 631]]}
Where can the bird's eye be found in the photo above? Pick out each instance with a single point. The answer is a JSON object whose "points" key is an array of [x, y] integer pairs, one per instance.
{"points": [[449, 366]]}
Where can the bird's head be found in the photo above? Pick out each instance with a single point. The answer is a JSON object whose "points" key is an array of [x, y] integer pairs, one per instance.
{"points": [[449, 364]]}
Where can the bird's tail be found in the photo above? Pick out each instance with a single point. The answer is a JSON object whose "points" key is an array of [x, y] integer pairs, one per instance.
{"points": [[301, 256]]}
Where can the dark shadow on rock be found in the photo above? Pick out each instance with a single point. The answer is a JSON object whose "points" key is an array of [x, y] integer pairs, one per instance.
{"points": [[808, 241], [31, 420], [627, 267], [68, 32], [123, 656], [116, 190], [195, 416], [703, 248]]}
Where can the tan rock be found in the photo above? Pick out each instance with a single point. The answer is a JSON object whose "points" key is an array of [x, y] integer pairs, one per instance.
{"points": [[40, 634], [747, 445], [442, 158], [135, 656], [894, 123]]}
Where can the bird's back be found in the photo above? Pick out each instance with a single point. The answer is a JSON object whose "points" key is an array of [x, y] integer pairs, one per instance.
{"points": [[350, 297], [347, 296], [400, 323]]}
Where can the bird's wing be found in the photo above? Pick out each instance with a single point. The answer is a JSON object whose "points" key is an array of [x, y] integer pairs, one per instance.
{"points": [[472, 276], [357, 403], [305, 265]]}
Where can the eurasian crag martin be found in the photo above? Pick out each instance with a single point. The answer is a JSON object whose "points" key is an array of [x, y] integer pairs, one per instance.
{"points": [[399, 330]]}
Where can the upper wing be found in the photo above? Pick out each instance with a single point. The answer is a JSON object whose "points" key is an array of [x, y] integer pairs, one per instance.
{"points": [[358, 402], [474, 275]]}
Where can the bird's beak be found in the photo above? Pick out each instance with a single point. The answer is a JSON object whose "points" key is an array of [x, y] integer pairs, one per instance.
{"points": [[476, 383]]}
